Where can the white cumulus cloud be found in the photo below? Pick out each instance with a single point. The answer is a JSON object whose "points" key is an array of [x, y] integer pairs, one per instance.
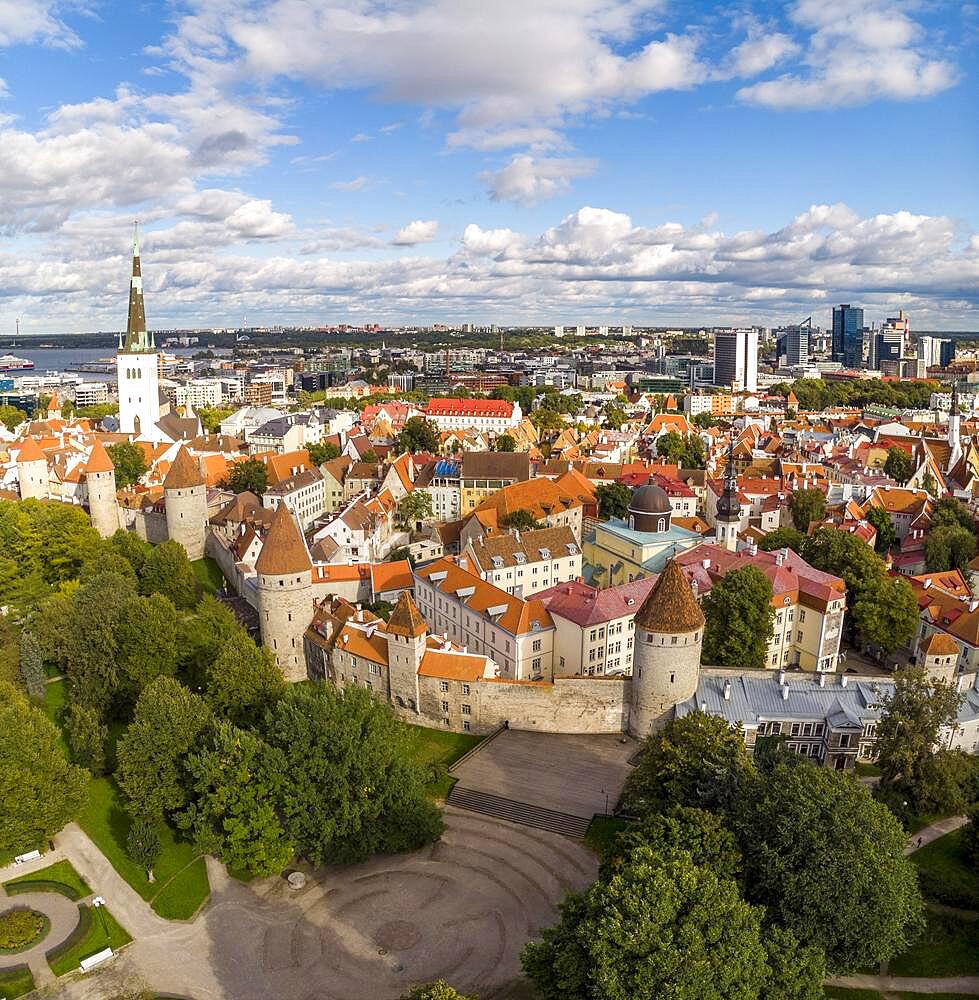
{"points": [[418, 231], [527, 179]]}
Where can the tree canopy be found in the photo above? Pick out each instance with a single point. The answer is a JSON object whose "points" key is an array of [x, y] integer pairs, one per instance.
{"points": [[827, 861], [129, 461], [249, 476], [39, 789], [807, 506], [419, 435], [323, 451], [783, 538], [898, 465], [414, 507], [613, 499], [350, 786], [949, 546], [913, 762], [740, 619], [167, 571], [504, 442], [687, 452], [886, 535], [11, 417]]}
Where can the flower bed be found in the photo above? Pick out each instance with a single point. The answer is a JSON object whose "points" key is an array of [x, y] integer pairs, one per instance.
{"points": [[21, 929]]}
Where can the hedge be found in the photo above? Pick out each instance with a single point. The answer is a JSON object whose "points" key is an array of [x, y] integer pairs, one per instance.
{"points": [[80, 932], [43, 885]]}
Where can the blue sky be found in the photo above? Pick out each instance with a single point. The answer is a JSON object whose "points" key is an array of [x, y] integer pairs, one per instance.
{"points": [[521, 161]]}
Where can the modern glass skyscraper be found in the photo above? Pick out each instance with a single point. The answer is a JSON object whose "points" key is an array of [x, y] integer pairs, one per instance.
{"points": [[848, 336]]}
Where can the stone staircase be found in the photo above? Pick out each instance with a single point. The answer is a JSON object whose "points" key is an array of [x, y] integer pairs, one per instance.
{"points": [[518, 812]]}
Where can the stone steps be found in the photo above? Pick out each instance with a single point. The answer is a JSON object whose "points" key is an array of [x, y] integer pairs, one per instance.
{"points": [[519, 812]]}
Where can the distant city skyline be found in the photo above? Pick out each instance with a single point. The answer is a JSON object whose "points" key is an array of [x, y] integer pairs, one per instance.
{"points": [[563, 161]]}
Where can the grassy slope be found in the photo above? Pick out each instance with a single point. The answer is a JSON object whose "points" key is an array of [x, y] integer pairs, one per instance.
{"points": [[943, 858], [15, 983], [435, 746], [62, 872], [948, 947], [208, 574]]}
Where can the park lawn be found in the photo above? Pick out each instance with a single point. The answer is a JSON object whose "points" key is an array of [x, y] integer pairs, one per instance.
{"points": [[942, 862], [181, 884], [949, 946], [61, 873], [435, 746], [15, 982], [602, 831], [99, 937], [867, 770], [208, 574]]}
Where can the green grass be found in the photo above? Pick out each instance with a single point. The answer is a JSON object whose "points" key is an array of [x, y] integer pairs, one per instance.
{"points": [[602, 831], [15, 982], [208, 574], [104, 932], [920, 822], [181, 884], [442, 749], [59, 877], [945, 875], [949, 946], [838, 993]]}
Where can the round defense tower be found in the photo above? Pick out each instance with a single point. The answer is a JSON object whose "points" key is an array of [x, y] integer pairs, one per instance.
{"points": [[285, 593], [669, 634], [185, 496], [32, 471], [100, 481]]}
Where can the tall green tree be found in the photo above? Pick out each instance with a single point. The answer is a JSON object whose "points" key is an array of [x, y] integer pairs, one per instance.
{"points": [[167, 571], [783, 538], [504, 442], [418, 435], [795, 971], [235, 785], [168, 723], [886, 535], [200, 637], [415, 506], [39, 789], [949, 511], [887, 616], [11, 417], [613, 499], [129, 461], [912, 759], [32, 664], [143, 844], [132, 548], [697, 760], [615, 416], [87, 736], [248, 476], [657, 928], [211, 417], [324, 451], [740, 619], [805, 832], [521, 519], [807, 506], [439, 990], [898, 465], [949, 547], [146, 644], [243, 681], [350, 787]]}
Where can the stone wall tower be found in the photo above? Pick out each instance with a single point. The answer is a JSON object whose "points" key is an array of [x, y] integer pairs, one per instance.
{"points": [[285, 593], [100, 481], [32, 471], [185, 495], [407, 640], [669, 634]]}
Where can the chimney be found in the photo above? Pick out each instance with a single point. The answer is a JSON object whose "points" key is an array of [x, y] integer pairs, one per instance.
{"points": [[727, 690], [703, 706], [822, 680], [785, 692], [463, 563], [843, 680], [781, 677]]}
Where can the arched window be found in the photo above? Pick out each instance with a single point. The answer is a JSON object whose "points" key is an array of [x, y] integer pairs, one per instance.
{"points": [[661, 524]]}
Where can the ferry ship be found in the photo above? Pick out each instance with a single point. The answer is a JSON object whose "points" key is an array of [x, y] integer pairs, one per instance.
{"points": [[10, 363]]}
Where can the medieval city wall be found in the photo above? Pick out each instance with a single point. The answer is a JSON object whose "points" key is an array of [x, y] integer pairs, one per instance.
{"points": [[569, 705]]}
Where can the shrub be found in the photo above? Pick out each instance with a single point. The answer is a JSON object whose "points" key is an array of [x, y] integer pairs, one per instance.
{"points": [[20, 928]]}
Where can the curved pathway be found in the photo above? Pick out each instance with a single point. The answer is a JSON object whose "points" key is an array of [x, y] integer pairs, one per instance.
{"points": [[61, 911]]}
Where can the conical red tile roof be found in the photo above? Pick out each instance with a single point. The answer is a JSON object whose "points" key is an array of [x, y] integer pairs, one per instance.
{"points": [[284, 550], [406, 619], [98, 460], [670, 606], [184, 473], [30, 451]]}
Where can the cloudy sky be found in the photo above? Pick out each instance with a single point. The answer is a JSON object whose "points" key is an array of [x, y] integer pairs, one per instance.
{"points": [[510, 161]]}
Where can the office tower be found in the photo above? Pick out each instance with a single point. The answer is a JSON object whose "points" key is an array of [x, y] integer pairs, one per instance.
{"points": [[736, 359], [848, 336], [797, 345], [885, 345], [936, 351]]}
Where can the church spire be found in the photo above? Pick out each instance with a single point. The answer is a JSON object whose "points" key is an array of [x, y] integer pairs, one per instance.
{"points": [[136, 339]]}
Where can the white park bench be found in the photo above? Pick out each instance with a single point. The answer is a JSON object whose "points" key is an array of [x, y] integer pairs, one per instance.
{"points": [[29, 856], [96, 959]]}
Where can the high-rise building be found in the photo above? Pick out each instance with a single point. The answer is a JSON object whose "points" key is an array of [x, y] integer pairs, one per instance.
{"points": [[936, 351], [736, 359], [848, 335], [797, 345], [885, 345]]}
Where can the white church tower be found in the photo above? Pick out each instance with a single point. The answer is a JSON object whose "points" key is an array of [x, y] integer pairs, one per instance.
{"points": [[137, 365]]}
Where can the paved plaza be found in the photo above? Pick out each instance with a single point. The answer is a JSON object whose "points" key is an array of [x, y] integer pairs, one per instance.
{"points": [[567, 773], [462, 908]]}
